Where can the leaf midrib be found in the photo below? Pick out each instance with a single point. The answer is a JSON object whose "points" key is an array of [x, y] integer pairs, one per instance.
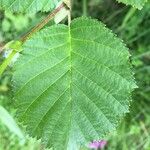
{"points": [[70, 86]]}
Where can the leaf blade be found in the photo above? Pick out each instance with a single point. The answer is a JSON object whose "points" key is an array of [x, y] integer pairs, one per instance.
{"points": [[137, 4], [82, 98], [28, 6]]}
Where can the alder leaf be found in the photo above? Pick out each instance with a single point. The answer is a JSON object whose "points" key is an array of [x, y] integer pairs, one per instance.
{"points": [[28, 6], [135, 3], [73, 84]]}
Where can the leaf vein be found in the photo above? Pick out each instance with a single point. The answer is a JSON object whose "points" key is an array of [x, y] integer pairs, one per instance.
{"points": [[50, 108], [99, 87], [40, 74], [95, 105]]}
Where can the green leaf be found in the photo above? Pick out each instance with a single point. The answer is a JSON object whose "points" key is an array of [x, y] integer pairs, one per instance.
{"points": [[135, 3], [28, 6], [73, 84], [10, 123]]}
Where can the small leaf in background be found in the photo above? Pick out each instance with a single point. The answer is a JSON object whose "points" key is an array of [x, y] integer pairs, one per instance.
{"points": [[10, 123], [135, 3], [28, 6]]}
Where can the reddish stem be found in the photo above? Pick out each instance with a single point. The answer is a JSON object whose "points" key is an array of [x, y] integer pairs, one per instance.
{"points": [[42, 23]]}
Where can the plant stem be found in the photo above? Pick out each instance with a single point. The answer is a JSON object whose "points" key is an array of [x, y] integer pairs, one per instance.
{"points": [[138, 37], [127, 17], [84, 5], [69, 14], [39, 25], [7, 61], [42, 23], [69, 18]]}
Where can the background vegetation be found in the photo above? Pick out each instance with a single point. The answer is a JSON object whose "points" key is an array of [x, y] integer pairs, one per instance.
{"points": [[133, 26]]}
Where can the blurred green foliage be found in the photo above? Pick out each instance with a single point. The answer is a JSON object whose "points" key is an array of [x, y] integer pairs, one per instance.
{"points": [[133, 26]]}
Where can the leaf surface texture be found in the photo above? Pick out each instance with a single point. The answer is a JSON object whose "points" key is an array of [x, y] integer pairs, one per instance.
{"points": [[28, 6], [73, 84]]}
